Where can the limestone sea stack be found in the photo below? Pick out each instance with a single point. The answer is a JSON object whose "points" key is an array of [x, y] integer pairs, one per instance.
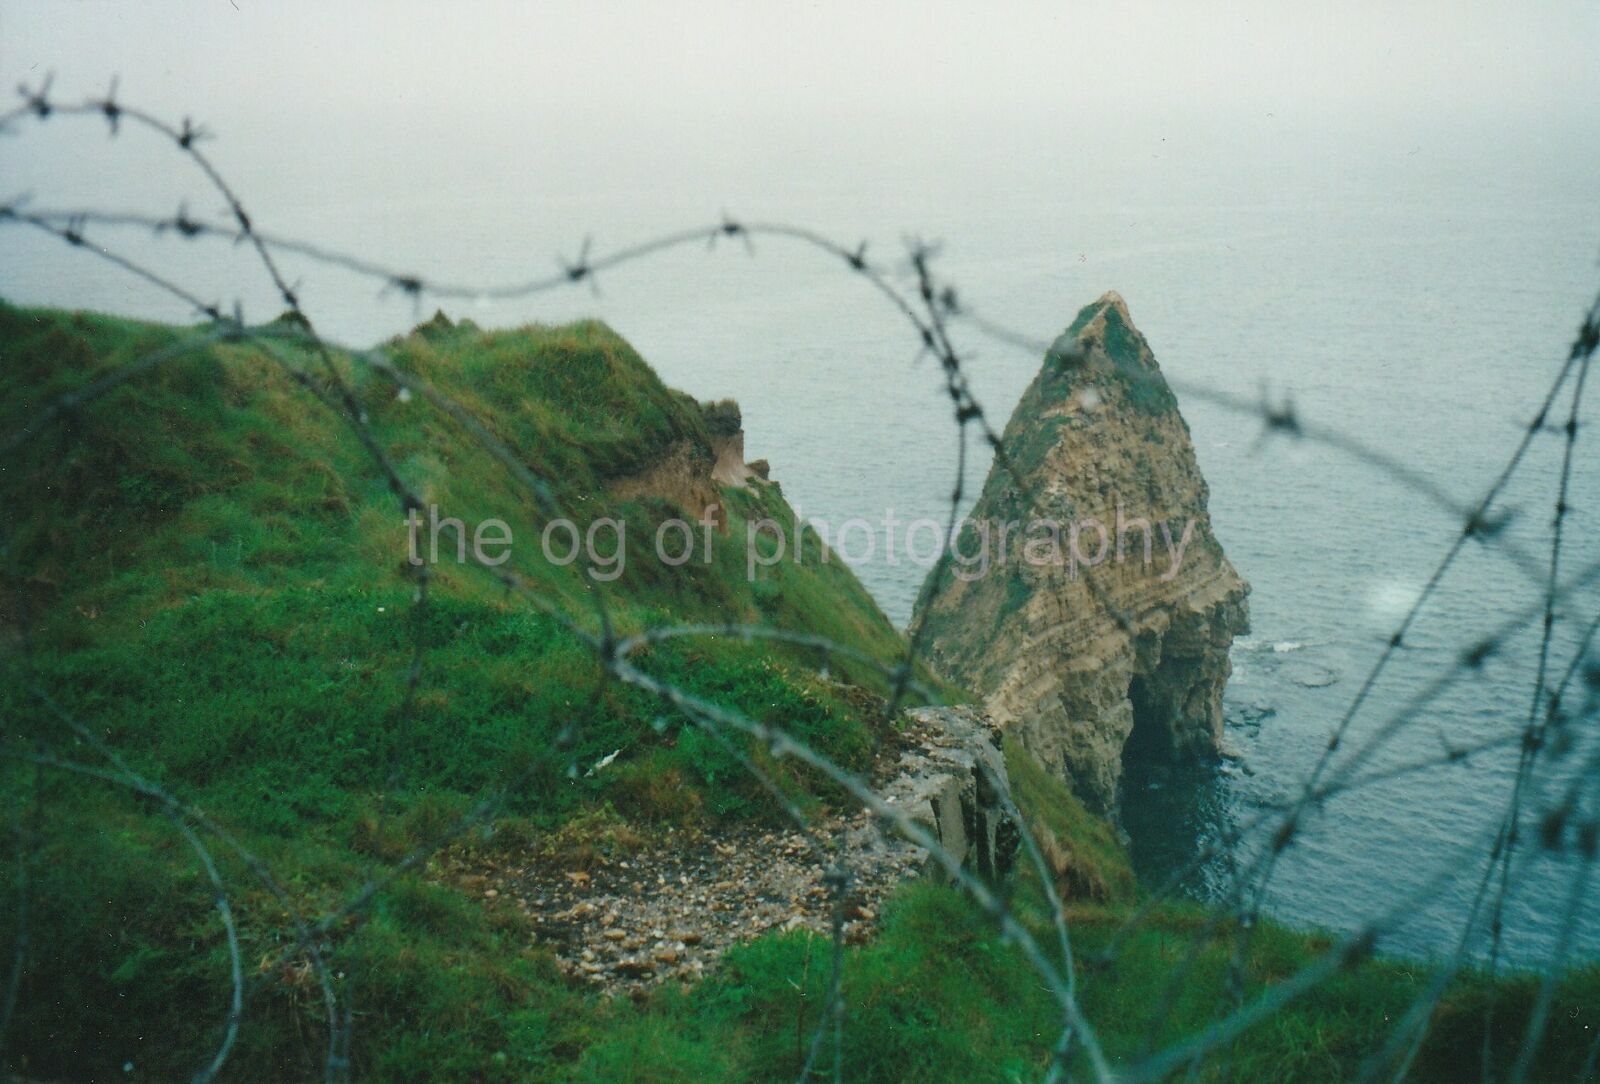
{"points": [[1091, 607]]}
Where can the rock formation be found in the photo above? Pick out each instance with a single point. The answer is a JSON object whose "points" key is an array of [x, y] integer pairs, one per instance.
{"points": [[949, 782], [1096, 626], [692, 472]]}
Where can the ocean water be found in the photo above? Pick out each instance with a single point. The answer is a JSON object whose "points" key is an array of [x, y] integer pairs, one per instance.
{"points": [[1418, 303]]}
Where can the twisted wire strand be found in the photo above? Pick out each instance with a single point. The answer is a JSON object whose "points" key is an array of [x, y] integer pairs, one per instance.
{"points": [[929, 317]]}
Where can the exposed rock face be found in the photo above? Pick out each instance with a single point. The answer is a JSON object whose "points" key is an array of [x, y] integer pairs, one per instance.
{"points": [[1097, 631], [692, 473], [683, 476], [950, 783]]}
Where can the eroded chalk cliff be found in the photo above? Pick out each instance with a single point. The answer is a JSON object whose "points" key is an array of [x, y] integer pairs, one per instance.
{"points": [[692, 472], [1091, 606]]}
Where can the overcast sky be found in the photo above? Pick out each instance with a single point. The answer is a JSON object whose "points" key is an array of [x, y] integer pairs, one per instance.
{"points": [[541, 121], [1377, 62]]}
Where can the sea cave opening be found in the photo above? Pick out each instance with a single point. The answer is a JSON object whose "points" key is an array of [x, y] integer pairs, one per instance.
{"points": [[1150, 741]]}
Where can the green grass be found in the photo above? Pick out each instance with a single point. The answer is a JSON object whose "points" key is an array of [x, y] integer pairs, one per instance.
{"points": [[1142, 388], [221, 576], [447, 989], [214, 577], [1088, 859]]}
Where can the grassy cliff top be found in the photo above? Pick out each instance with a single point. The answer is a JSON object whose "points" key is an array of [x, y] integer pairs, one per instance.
{"points": [[209, 560], [207, 568]]}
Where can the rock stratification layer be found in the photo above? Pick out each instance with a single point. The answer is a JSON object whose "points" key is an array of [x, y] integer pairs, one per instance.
{"points": [[1089, 604]]}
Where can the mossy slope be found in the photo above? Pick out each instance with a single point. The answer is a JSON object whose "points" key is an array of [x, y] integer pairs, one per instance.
{"points": [[211, 573]]}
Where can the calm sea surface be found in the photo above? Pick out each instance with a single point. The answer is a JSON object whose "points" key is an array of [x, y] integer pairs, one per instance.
{"points": [[1418, 303]]}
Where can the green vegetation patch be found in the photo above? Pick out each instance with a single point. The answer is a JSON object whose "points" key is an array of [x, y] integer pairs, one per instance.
{"points": [[215, 577]]}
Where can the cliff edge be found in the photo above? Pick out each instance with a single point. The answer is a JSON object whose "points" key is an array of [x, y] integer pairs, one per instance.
{"points": [[1090, 606]]}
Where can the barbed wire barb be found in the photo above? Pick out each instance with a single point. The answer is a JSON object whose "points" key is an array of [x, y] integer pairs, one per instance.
{"points": [[1540, 818]]}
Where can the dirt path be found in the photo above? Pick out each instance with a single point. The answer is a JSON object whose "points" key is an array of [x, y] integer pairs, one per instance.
{"points": [[670, 909]]}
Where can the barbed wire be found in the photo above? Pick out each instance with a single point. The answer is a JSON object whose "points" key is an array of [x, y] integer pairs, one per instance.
{"points": [[1276, 418], [932, 309]]}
